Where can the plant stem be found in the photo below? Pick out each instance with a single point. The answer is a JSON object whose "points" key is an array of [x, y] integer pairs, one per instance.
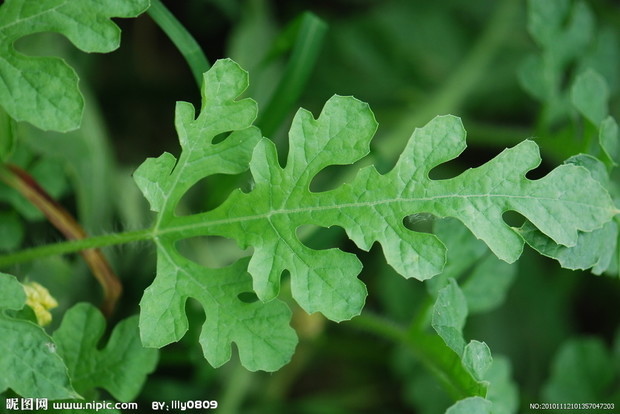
{"points": [[74, 246], [60, 218], [430, 351], [182, 39]]}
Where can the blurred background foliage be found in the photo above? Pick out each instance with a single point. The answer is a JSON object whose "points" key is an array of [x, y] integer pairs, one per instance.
{"points": [[553, 332]]}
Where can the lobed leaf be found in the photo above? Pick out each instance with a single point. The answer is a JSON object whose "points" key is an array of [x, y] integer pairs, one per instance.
{"points": [[44, 90], [261, 331], [120, 367], [29, 362], [593, 249], [371, 208]]}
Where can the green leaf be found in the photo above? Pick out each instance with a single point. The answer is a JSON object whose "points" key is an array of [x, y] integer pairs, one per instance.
{"points": [[448, 320], [85, 156], [609, 140], [545, 18], [29, 362], [371, 208], [449, 315], [463, 251], [590, 95], [486, 288], [120, 367], [44, 90], [582, 370], [458, 379], [593, 249], [564, 32], [261, 331], [477, 358], [503, 391], [471, 405]]}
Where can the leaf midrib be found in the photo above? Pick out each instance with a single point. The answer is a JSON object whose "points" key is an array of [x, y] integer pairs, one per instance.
{"points": [[195, 222], [34, 16]]}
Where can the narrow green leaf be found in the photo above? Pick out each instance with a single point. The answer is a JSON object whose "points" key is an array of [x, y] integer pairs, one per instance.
{"points": [[120, 367], [449, 315], [308, 42], [44, 90], [182, 39], [590, 95], [471, 405], [29, 362]]}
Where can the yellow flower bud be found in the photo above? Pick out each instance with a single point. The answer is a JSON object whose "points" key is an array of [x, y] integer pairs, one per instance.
{"points": [[40, 300]]}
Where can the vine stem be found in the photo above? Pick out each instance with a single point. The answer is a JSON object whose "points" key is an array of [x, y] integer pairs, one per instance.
{"points": [[74, 246], [182, 39]]}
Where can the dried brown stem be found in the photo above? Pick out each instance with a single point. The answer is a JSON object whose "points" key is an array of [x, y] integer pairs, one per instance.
{"points": [[60, 218]]}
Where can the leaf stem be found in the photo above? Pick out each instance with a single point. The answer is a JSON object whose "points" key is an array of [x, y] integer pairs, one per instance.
{"points": [[182, 39]]}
